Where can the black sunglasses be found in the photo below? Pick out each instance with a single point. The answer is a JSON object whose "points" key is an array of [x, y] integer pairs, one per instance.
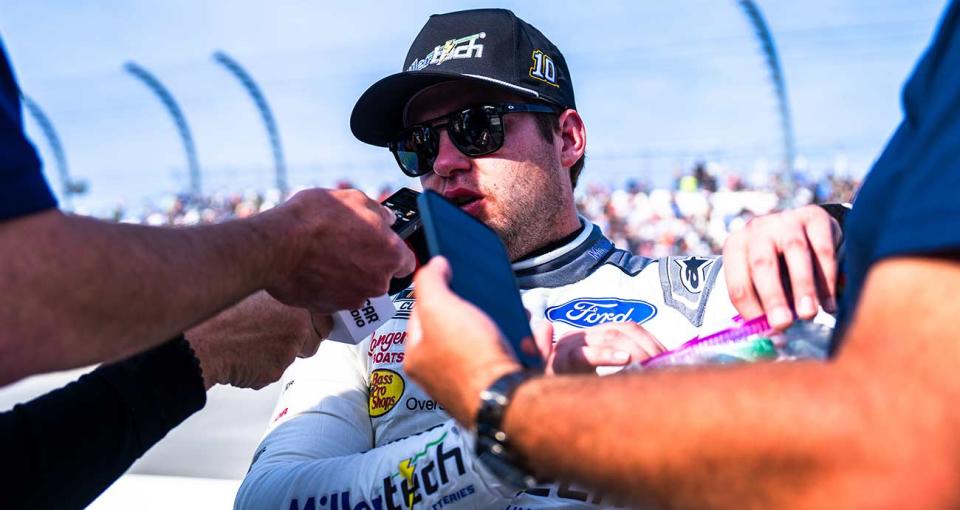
{"points": [[475, 131]]}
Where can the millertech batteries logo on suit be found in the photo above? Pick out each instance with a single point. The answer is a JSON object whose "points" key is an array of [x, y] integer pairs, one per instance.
{"points": [[587, 312], [426, 472]]}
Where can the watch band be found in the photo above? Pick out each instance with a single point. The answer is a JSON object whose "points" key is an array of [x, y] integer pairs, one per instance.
{"points": [[837, 211], [493, 445]]}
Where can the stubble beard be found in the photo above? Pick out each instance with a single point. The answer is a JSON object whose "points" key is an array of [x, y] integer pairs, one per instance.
{"points": [[530, 216]]}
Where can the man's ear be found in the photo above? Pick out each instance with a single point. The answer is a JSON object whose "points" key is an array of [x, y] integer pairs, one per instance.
{"points": [[573, 138]]}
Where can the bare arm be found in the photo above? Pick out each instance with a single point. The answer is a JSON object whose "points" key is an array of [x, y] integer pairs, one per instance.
{"points": [[88, 291], [874, 428], [79, 291], [113, 415], [860, 430]]}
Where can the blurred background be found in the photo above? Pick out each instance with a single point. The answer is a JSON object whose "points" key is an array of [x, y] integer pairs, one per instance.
{"points": [[700, 114]]}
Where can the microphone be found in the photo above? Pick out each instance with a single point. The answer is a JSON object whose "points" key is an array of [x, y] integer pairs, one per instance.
{"points": [[352, 326]]}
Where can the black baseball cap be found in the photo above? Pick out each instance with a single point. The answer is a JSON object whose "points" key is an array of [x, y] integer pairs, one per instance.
{"points": [[491, 46]]}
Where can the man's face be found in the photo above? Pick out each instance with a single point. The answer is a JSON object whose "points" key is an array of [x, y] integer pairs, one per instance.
{"points": [[518, 190]]}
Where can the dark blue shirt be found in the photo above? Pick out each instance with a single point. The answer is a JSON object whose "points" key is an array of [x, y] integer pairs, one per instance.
{"points": [[23, 190], [909, 204]]}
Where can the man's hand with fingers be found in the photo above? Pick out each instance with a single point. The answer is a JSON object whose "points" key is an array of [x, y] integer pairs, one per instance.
{"points": [[250, 344], [606, 345], [782, 264], [345, 252]]}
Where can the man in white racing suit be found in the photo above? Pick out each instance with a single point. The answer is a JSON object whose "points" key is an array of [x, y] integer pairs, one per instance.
{"points": [[484, 113], [349, 425]]}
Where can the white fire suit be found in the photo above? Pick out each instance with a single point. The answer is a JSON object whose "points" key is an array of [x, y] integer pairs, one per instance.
{"points": [[348, 431]]}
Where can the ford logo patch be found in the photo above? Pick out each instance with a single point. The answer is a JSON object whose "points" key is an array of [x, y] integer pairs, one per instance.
{"points": [[587, 312]]}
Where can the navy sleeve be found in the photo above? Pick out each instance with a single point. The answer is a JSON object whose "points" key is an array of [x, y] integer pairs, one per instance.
{"points": [[23, 190], [909, 203], [66, 447], [924, 157]]}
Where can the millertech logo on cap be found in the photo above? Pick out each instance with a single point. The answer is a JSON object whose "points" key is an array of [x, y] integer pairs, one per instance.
{"points": [[464, 47], [489, 46]]}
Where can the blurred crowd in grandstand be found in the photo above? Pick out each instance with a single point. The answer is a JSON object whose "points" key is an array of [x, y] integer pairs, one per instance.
{"points": [[693, 216], [697, 213]]}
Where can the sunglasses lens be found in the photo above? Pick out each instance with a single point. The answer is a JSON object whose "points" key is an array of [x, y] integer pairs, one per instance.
{"points": [[416, 151], [477, 131]]}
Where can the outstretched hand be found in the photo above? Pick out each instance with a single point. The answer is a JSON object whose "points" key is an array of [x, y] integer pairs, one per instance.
{"points": [[341, 253], [454, 350]]}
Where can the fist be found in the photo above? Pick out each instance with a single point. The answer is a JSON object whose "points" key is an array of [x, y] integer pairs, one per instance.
{"points": [[251, 344], [341, 251]]}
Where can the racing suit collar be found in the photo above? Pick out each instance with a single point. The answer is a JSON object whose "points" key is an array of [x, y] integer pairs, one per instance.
{"points": [[568, 263]]}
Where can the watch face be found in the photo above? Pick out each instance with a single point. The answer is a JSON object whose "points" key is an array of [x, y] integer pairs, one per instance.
{"points": [[496, 398]]}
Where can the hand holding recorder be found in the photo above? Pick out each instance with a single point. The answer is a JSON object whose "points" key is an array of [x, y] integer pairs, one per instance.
{"points": [[346, 254], [353, 325]]}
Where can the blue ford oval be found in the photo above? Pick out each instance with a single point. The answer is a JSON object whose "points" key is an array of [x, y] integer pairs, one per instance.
{"points": [[587, 312]]}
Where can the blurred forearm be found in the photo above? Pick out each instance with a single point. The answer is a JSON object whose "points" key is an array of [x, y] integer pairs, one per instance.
{"points": [[711, 440], [874, 428], [78, 290]]}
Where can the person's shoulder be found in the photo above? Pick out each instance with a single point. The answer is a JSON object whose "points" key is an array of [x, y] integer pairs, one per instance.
{"points": [[23, 189], [689, 282], [628, 263], [683, 283]]}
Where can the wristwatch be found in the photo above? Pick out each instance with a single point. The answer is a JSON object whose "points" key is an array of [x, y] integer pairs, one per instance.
{"points": [[838, 212], [493, 445]]}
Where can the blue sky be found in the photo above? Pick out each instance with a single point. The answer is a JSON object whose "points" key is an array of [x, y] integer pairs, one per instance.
{"points": [[660, 84]]}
